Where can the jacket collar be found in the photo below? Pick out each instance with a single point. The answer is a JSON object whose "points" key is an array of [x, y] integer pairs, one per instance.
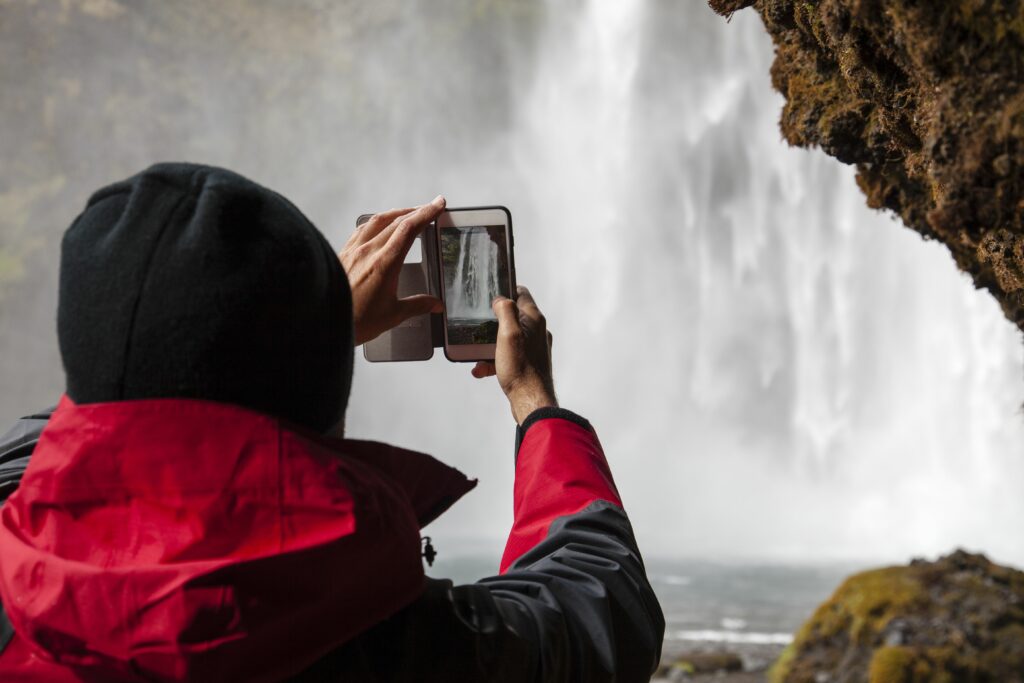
{"points": [[431, 486]]}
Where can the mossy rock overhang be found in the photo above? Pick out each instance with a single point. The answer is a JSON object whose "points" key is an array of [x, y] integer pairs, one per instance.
{"points": [[926, 100]]}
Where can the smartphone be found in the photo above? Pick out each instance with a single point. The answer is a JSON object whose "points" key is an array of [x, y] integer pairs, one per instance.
{"points": [[476, 261]]}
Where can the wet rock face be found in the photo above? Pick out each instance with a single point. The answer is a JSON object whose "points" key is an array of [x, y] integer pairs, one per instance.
{"points": [[926, 99], [960, 618]]}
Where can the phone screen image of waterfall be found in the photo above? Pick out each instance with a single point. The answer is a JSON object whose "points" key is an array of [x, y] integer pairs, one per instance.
{"points": [[474, 266]]}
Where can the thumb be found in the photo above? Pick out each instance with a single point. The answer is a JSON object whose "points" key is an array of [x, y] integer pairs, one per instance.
{"points": [[507, 313], [418, 304]]}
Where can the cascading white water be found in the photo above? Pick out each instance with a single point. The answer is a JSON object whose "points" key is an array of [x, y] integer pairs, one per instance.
{"points": [[476, 277], [805, 377]]}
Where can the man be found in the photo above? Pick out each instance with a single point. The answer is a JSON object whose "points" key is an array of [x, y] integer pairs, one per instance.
{"points": [[190, 511]]}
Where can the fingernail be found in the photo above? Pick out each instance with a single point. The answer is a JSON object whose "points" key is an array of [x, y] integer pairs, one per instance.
{"points": [[438, 200], [438, 307]]}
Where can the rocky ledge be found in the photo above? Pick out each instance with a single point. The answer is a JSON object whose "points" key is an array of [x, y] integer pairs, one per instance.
{"points": [[957, 620], [925, 98]]}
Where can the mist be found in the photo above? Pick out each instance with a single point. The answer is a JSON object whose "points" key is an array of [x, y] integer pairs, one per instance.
{"points": [[775, 371]]}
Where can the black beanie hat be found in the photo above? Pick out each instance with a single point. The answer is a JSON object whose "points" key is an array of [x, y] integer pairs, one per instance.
{"points": [[190, 281]]}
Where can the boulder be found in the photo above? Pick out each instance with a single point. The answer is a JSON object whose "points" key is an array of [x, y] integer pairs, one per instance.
{"points": [[956, 620]]}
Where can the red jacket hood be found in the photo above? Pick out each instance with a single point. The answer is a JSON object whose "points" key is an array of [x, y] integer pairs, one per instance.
{"points": [[182, 539]]}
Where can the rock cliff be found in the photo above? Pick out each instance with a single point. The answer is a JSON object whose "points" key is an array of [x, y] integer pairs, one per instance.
{"points": [[925, 98]]}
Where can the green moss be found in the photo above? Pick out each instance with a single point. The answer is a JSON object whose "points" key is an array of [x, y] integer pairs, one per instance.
{"points": [[1012, 633], [684, 667], [808, 17], [1016, 24], [1008, 649], [892, 665], [913, 665], [922, 94], [812, 101], [991, 22], [938, 603], [779, 671], [899, 664], [864, 604]]}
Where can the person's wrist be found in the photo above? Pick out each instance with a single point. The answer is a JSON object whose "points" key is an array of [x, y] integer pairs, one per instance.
{"points": [[526, 399]]}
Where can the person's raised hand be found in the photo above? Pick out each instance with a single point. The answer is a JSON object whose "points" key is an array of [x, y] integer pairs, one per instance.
{"points": [[373, 259], [522, 357]]}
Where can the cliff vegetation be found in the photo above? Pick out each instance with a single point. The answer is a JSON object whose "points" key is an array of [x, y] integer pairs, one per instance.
{"points": [[925, 98]]}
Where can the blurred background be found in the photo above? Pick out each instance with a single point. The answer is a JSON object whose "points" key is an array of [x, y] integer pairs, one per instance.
{"points": [[787, 384]]}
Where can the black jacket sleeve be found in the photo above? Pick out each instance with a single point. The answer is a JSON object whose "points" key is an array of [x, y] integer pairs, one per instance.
{"points": [[16, 447], [572, 602]]}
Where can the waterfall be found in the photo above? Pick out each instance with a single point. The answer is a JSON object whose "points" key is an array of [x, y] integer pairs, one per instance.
{"points": [[477, 269], [775, 370], [783, 372]]}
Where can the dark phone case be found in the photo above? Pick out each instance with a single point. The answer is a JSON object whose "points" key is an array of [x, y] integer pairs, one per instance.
{"points": [[416, 338]]}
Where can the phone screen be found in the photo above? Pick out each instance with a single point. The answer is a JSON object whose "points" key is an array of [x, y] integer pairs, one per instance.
{"points": [[474, 265]]}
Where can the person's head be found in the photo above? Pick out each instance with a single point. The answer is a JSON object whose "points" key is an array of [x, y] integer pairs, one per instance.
{"points": [[189, 281]]}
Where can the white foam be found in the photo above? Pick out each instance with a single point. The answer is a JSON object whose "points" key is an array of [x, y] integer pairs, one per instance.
{"points": [[671, 579], [712, 636], [733, 624]]}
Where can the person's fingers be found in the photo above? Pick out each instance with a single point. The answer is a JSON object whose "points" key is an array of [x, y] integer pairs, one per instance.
{"points": [[508, 315], [408, 228], [527, 305], [483, 369], [418, 304], [376, 224], [396, 239]]}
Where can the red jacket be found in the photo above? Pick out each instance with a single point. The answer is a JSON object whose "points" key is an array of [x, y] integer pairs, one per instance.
{"points": [[190, 540]]}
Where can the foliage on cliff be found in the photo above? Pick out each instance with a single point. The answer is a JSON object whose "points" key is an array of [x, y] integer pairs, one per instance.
{"points": [[959, 619], [926, 99]]}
